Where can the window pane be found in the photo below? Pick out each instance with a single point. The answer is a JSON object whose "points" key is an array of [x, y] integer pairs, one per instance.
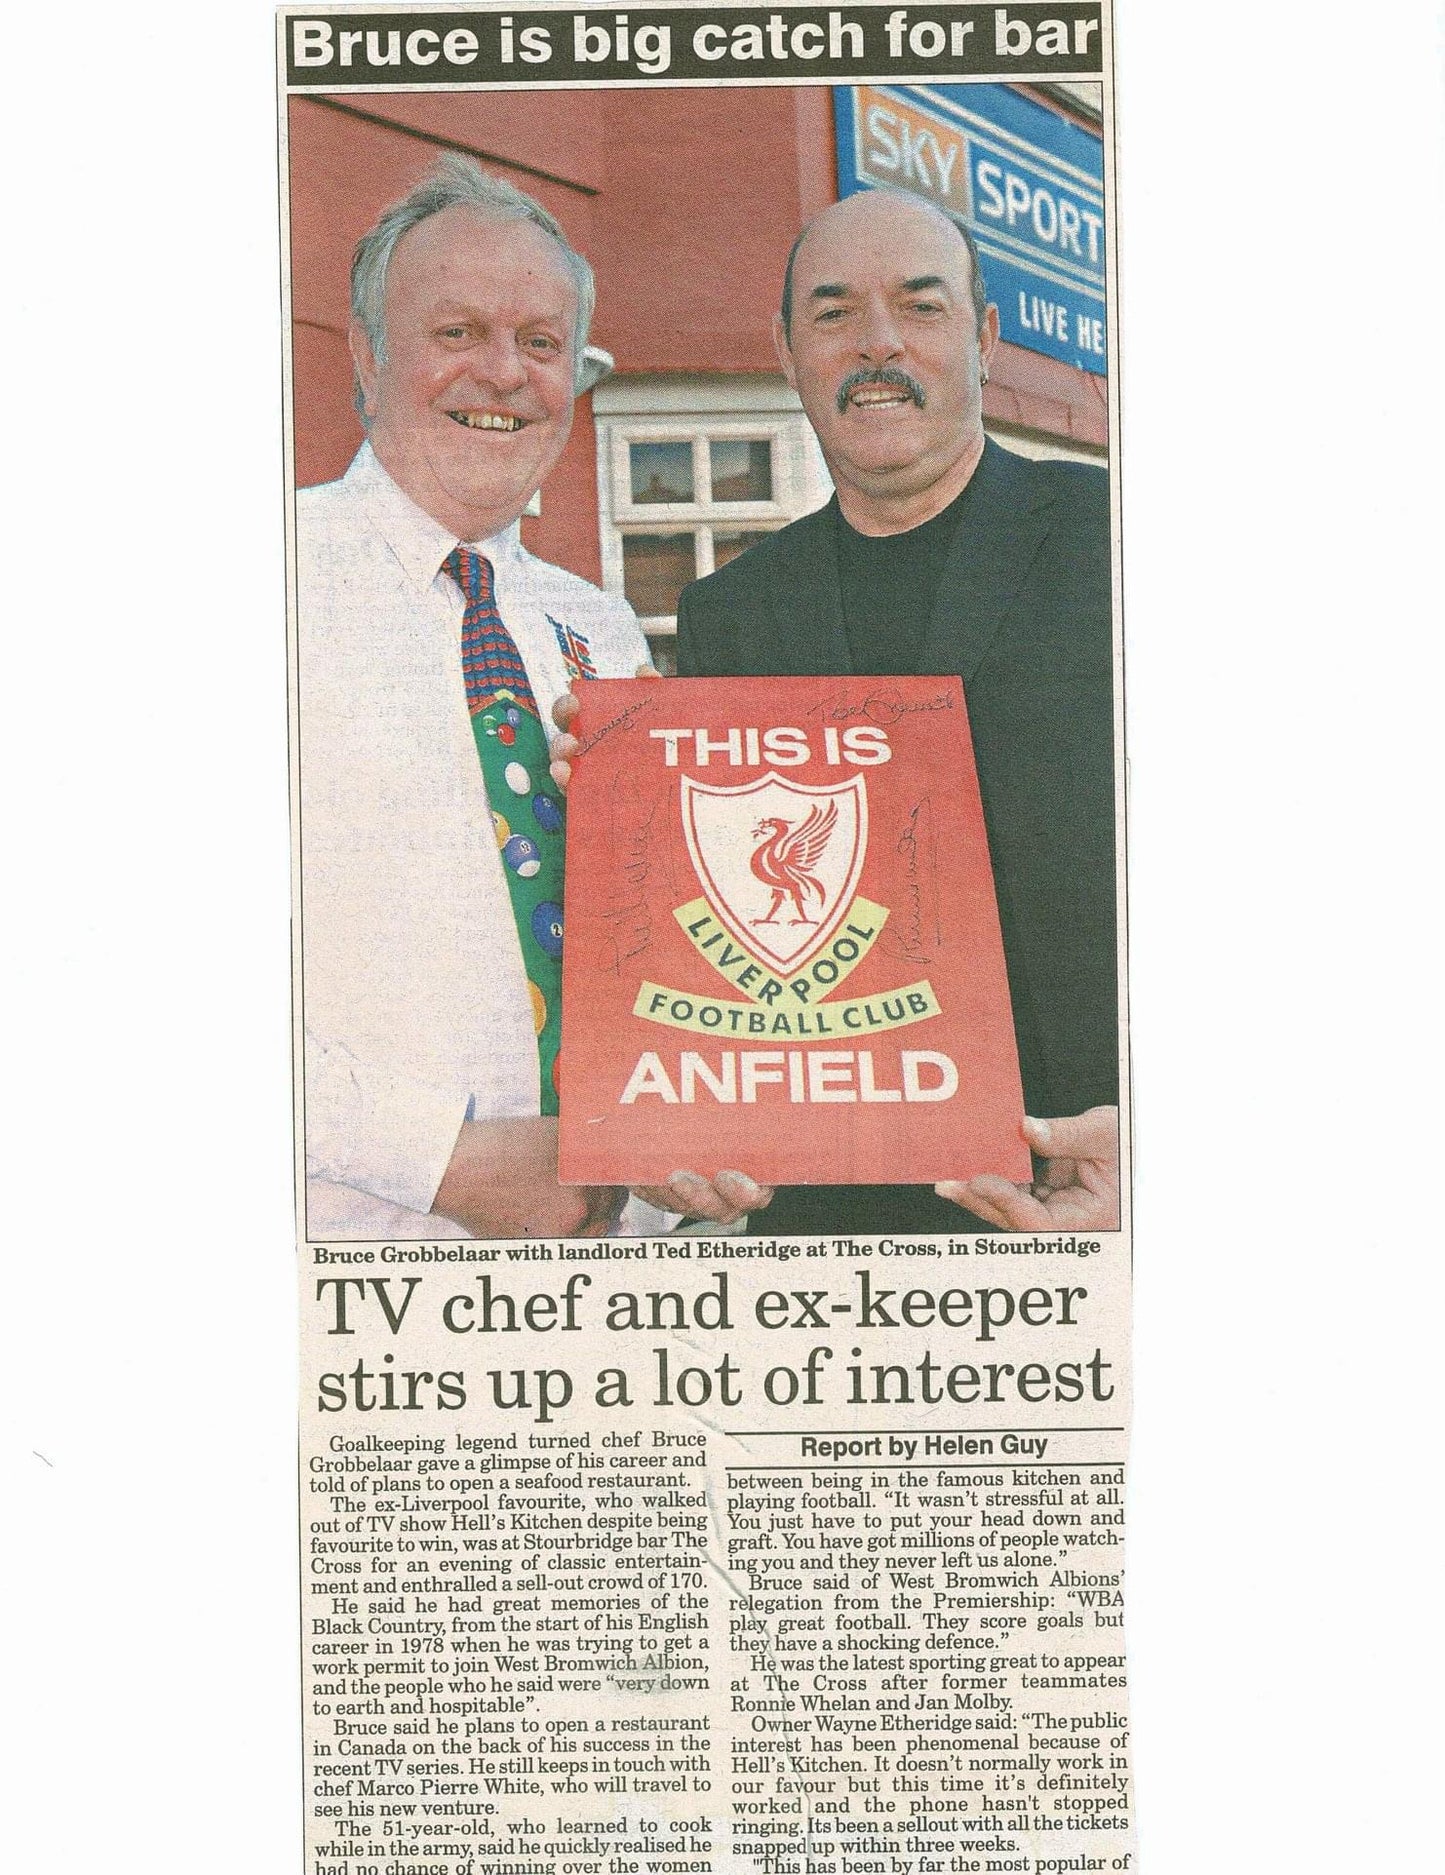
{"points": [[728, 546], [741, 471], [655, 568], [661, 471]]}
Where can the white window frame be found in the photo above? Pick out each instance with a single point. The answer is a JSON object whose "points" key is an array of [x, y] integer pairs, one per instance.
{"points": [[698, 412]]}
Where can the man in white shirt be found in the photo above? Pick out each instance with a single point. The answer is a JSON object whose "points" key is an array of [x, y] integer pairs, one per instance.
{"points": [[427, 1082]]}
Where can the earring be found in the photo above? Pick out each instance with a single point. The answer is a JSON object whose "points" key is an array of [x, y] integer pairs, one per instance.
{"points": [[982, 376]]}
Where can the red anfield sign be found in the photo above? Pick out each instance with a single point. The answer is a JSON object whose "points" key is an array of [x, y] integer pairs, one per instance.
{"points": [[782, 946]]}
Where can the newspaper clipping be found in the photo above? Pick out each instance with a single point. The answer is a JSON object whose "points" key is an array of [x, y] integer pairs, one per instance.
{"points": [[730, 1522]]}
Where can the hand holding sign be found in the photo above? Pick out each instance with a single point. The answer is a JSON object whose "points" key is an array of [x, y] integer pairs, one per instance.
{"points": [[1079, 1187], [565, 746], [731, 1195]]}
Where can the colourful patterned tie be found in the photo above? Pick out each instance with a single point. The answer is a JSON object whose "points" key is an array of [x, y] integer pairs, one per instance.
{"points": [[512, 745]]}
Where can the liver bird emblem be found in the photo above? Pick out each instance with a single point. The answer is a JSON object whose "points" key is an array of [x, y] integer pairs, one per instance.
{"points": [[805, 844], [787, 857]]}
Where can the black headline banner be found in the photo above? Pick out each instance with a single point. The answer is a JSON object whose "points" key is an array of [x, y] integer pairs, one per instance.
{"points": [[1035, 39]]}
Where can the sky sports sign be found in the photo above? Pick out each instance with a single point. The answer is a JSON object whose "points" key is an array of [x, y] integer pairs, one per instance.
{"points": [[1028, 182]]}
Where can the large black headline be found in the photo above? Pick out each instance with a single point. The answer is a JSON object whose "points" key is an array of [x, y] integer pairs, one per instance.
{"points": [[676, 1375], [342, 50]]}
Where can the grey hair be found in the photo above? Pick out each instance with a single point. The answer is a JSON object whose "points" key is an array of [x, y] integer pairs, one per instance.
{"points": [[976, 286], [455, 181]]}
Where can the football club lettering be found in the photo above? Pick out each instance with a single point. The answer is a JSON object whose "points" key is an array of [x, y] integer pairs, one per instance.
{"points": [[914, 1002], [740, 966]]}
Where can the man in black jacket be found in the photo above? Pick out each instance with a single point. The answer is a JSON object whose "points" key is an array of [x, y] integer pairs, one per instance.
{"points": [[942, 553]]}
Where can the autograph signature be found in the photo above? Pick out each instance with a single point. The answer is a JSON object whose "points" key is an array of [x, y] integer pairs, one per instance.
{"points": [[882, 707], [910, 931], [629, 919], [622, 720]]}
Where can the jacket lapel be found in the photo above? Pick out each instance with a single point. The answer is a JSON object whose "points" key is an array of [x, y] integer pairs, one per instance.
{"points": [[1001, 532]]}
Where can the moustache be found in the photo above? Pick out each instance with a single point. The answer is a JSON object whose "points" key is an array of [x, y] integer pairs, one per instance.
{"points": [[889, 375]]}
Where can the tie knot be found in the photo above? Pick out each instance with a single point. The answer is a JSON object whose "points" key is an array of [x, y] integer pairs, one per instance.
{"points": [[472, 572]]}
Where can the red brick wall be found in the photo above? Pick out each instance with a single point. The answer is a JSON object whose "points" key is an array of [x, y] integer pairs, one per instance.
{"points": [[1037, 393], [705, 192]]}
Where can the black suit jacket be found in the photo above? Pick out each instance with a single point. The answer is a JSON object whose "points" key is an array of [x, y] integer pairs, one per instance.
{"points": [[1023, 617]]}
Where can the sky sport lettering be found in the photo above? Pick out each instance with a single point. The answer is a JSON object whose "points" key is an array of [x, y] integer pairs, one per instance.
{"points": [[1034, 209], [1050, 318], [1022, 180], [913, 149], [639, 41]]}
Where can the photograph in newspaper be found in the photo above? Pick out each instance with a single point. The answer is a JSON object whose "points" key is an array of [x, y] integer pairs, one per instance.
{"points": [[728, 345]]}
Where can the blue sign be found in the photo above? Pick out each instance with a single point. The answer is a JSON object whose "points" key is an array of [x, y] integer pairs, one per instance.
{"points": [[1028, 182]]}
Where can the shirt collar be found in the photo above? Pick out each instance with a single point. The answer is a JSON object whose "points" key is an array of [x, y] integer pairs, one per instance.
{"points": [[419, 542]]}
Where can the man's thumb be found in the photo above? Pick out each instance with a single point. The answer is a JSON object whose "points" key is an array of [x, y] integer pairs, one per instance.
{"points": [[1091, 1135]]}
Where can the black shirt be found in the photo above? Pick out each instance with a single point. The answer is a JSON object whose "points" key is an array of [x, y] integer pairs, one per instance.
{"points": [[889, 585]]}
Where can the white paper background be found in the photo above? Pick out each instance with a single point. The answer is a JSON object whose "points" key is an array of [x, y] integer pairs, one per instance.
{"points": [[1280, 222]]}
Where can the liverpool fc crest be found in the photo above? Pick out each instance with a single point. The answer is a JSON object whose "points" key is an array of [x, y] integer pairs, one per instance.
{"points": [[778, 861]]}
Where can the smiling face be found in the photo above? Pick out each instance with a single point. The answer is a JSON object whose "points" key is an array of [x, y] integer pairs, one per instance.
{"points": [[472, 404], [885, 354]]}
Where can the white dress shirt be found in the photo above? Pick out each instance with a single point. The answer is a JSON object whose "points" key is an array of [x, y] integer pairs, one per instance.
{"points": [[416, 1006]]}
